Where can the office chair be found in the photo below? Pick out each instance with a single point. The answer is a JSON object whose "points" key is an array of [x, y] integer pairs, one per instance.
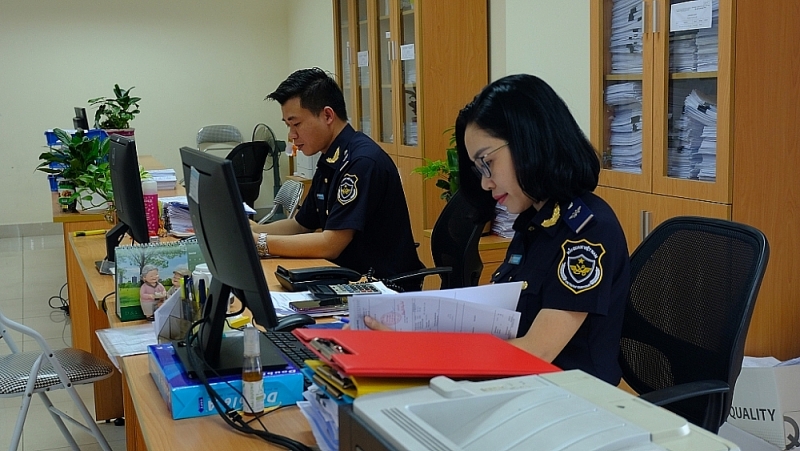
{"points": [[454, 247], [218, 139], [694, 283], [287, 198], [248, 164], [24, 373]]}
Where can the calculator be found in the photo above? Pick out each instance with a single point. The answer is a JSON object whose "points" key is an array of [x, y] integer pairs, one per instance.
{"points": [[344, 289]]}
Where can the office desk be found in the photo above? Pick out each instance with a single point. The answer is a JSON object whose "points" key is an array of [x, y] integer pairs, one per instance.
{"points": [[112, 394]]}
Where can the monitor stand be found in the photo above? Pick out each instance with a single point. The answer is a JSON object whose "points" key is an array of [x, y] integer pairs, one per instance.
{"points": [[231, 356], [105, 267]]}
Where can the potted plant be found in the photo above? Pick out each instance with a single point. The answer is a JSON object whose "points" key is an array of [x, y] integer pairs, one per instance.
{"points": [[446, 171], [82, 163], [116, 113]]}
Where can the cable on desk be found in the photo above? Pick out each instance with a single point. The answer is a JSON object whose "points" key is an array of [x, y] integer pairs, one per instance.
{"points": [[103, 302], [229, 415]]}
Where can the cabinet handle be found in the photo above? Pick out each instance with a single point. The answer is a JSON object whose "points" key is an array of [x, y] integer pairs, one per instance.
{"points": [[644, 224], [644, 16], [389, 50], [654, 25]]}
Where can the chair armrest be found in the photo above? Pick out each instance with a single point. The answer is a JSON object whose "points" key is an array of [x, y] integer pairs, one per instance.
{"points": [[420, 274], [676, 393]]}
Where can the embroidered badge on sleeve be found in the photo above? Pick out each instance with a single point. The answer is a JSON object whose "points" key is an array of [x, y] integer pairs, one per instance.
{"points": [[580, 268], [348, 191]]}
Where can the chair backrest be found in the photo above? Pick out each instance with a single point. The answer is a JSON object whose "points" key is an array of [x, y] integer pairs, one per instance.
{"points": [[219, 139], [454, 243], [694, 283], [248, 164], [287, 198]]}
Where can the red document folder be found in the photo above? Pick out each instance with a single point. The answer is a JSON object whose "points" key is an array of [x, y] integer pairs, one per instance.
{"points": [[422, 354]]}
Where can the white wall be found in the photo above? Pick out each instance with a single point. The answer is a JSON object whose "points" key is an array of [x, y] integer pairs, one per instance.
{"points": [[193, 63], [546, 38]]}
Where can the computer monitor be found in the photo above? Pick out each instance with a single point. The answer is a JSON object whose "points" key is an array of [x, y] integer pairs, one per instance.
{"points": [[128, 199], [80, 121], [226, 241]]}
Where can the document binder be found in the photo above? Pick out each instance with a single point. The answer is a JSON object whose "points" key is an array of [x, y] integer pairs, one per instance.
{"points": [[370, 353]]}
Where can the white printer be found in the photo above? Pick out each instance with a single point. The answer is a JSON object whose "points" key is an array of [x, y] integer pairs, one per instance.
{"points": [[569, 411]]}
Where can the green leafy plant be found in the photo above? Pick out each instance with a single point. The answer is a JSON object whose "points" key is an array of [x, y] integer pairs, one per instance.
{"points": [[446, 171], [82, 161], [115, 112]]}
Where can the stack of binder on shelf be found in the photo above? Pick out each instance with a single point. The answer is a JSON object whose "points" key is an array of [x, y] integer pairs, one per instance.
{"points": [[165, 178], [626, 44], [354, 363], [503, 224], [626, 126]]}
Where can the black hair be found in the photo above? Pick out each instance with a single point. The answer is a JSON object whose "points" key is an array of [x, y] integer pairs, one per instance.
{"points": [[552, 157], [316, 90]]}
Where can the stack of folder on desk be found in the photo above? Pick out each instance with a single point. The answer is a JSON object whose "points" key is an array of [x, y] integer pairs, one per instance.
{"points": [[354, 363]]}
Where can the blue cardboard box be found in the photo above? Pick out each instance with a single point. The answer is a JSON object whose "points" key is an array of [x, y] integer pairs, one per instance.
{"points": [[187, 398]]}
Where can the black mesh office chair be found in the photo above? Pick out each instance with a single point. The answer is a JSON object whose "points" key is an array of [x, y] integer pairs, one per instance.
{"points": [[248, 164], [454, 246], [694, 283]]}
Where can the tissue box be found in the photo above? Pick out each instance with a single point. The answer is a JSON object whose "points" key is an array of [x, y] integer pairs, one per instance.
{"points": [[187, 398], [766, 403]]}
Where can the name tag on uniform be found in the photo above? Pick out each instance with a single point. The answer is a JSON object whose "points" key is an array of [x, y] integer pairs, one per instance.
{"points": [[320, 196], [514, 259]]}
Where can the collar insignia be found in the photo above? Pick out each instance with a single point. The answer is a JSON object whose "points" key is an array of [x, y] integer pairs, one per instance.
{"points": [[333, 158], [553, 219]]}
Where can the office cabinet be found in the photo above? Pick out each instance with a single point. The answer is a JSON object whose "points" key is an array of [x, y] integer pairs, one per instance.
{"points": [[694, 111], [406, 68]]}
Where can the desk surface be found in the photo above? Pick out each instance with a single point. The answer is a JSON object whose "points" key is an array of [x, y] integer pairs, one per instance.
{"points": [[160, 432]]}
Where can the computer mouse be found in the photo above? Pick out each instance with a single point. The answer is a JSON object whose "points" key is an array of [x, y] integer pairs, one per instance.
{"points": [[291, 322]]}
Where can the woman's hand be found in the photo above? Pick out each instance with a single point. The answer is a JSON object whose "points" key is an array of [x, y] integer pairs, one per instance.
{"points": [[374, 324]]}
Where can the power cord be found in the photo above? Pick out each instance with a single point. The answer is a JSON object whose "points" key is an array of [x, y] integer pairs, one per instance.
{"points": [[64, 302], [103, 302], [228, 414]]}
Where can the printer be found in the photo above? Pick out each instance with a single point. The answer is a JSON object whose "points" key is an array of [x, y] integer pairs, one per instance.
{"points": [[567, 411]]}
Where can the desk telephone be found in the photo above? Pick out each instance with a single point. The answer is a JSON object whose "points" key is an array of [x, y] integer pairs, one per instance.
{"points": [[302, 278]]}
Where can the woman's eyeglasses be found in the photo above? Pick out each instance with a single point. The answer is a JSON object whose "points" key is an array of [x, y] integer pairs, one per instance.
{"points": [[482, 169]]}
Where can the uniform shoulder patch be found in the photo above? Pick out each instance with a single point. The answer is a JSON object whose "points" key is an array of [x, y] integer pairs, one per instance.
{"points": [[348, 189], [580, 268]]}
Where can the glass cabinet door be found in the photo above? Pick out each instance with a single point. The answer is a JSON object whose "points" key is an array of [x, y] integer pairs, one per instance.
{"points": [[384, 61], [408, 73], [626, 50], [362, 63], [688, 151], [344, 69]]}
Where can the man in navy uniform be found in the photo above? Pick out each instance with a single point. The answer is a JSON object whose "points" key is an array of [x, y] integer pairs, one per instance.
{"points": [[355, 198]]}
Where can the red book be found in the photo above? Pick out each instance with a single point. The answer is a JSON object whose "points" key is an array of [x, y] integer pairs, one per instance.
{"points": [[371, 353]]}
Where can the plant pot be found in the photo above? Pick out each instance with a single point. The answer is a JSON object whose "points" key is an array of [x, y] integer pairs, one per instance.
{"points": [[127, 132], [65, 191]]}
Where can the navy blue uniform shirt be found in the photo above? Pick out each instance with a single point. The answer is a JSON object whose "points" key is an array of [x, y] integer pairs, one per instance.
{"points": [[583, 271], [357, 186]]}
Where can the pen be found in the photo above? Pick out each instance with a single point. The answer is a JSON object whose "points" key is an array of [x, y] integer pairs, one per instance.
{"points": [[201, 292], [343, 319], [88, 232]]}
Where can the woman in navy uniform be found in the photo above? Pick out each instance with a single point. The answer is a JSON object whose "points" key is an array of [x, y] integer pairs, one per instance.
{"points": [[356, 197], [569, 249]]}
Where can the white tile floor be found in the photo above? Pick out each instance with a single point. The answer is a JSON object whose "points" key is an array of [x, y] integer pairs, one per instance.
{"points": [[31, 271]]}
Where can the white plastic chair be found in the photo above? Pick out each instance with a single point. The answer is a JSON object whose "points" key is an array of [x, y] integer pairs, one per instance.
{"points": [[288, 197], [218, 139], [24, 373]]}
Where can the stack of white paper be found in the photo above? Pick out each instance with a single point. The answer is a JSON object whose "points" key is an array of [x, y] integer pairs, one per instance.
{"points": [[693, 145], [682, 52], [322, 414], [176, 215], [626, 126], [503, 224], [165, 178], [625, 43], [708, 42]]}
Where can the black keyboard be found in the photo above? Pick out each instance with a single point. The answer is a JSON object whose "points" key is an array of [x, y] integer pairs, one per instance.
{"points": [[296, 351]]}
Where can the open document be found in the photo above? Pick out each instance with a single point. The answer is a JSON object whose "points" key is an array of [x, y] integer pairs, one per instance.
{"points": [[483, 309]]}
